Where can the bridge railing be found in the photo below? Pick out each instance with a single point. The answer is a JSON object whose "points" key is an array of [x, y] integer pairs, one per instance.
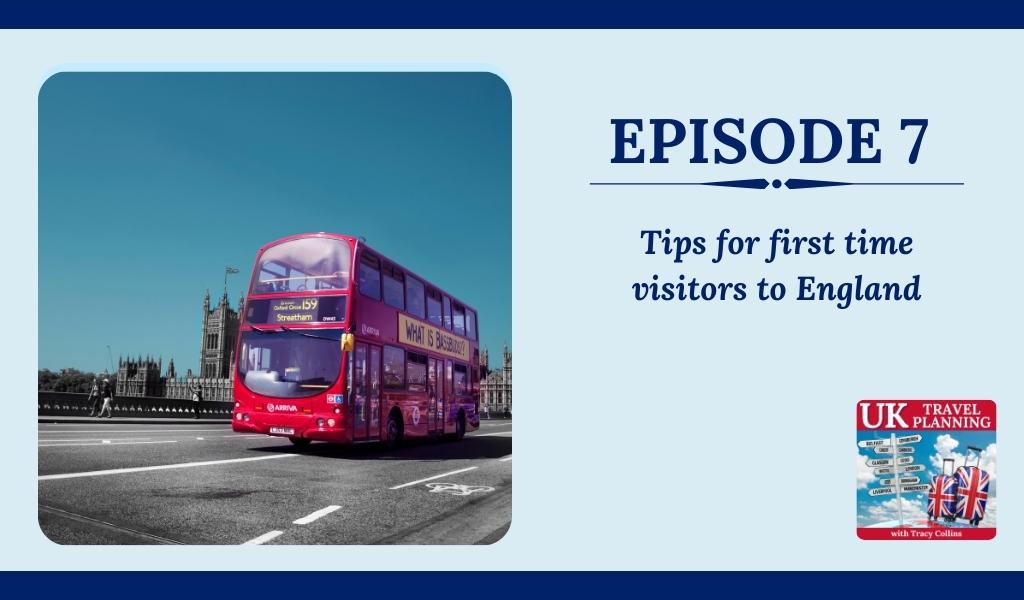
{"points": [[53, 404]]}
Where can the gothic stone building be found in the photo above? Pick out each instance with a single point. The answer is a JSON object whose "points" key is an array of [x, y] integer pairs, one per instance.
{"points": [[220, 331], [142, 376], [496, 386]]}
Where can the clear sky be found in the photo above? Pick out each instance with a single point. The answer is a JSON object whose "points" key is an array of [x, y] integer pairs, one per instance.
{"points": [[149, 184]]}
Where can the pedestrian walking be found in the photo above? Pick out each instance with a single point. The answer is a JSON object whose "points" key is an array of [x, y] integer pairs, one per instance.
{"points": [[197, 398], [108, 399], [95, 401]]}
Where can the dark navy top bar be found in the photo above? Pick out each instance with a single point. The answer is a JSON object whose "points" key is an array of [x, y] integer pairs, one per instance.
{"points": [[743, 14]]}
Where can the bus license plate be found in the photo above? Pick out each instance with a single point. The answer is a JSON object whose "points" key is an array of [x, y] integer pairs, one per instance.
{"points": [[282, 430]]}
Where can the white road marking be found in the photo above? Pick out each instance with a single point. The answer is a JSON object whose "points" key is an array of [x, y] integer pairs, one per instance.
{"points": [[509, 457], [204, 463], [48, 441], [496, 433], [313, 516], [398, 487], [266, 537], [115, 440], [67, 431], [107, 443]]}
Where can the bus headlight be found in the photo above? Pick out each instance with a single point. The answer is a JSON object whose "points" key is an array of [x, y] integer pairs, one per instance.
{"points": [[319, 422], [330, 422]]}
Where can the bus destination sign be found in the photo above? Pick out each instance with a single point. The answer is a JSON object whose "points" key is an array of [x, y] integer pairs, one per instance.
{"points": [[291, 311]]}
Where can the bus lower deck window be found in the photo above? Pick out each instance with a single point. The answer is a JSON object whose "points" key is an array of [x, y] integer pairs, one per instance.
{"points": [[459, 380], [416, 371], [394, 367]]}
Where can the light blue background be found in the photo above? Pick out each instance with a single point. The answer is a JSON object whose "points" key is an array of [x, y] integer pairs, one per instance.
{"points": [[668, 436]]}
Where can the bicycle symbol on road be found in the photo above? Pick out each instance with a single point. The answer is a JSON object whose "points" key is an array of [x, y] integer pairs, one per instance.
{"points": [[457, 489]]}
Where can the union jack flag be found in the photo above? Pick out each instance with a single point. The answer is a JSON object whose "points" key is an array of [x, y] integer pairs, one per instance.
{"points": [[972, 493], [942, 496]]}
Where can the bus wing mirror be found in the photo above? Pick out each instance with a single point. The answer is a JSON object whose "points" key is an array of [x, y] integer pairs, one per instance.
{"points": [[348, 342]]}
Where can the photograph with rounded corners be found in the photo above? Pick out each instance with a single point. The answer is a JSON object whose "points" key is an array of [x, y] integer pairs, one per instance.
{"points": [[275, 308]]}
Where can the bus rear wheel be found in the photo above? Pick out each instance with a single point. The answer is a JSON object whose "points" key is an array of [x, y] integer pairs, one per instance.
{"points": [[460, 426], [393, 431], [300, 442]]}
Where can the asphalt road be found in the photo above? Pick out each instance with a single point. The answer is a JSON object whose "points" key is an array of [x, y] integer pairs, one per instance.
{"points": [[123, 483]]}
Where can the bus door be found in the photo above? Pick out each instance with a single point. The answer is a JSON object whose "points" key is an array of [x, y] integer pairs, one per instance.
{"points": [[435, 396], [443, 409], [365, 403], [373, 383]]}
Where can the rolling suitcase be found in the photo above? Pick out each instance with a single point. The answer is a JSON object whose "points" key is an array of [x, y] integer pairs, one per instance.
{"points": [[942, 494], [972, 489]]}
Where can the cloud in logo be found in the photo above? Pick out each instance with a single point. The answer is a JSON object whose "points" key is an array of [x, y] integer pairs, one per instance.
{"points": [[865, 474], [888, 510], [945, 448]]}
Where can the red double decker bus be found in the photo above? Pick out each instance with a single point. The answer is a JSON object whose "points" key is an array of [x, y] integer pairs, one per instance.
{"points": [[341, 344]]}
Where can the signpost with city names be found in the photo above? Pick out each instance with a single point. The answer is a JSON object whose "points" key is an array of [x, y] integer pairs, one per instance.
{"points": [[890, 470], [903, 481], [891, 489], [887, 462], [872, 443], [924, 487], [899, 450], [895, 467]]}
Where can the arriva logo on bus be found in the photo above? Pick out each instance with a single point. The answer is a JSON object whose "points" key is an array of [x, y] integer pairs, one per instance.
{"points": [[429, 337], [282, 407]]}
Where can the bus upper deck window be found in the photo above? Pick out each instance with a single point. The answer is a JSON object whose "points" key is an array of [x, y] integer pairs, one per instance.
{"points": [[470, 324], [394, 287], [434, 306], [369, 276], [459, 319], [303, 264], [414, 297], [447, 313]]}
